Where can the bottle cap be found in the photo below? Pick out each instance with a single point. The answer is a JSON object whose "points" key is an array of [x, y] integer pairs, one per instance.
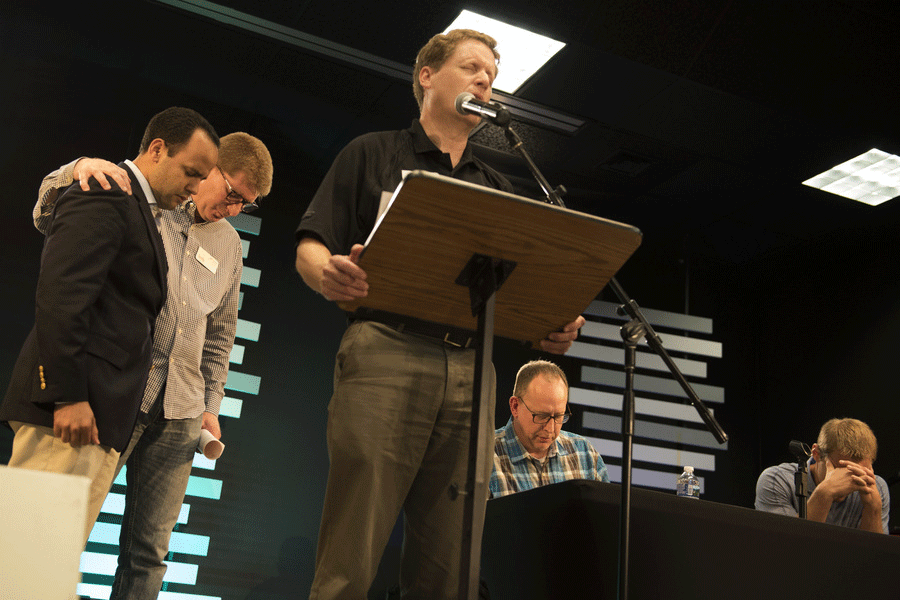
{"points": [[689, 469]]}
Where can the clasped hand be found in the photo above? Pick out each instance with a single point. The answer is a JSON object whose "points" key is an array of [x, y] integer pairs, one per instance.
{"points": [[851, 477]]}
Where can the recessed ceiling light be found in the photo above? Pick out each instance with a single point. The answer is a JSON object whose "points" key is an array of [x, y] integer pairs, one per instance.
{"points": [[872, 178], [522, 52]]}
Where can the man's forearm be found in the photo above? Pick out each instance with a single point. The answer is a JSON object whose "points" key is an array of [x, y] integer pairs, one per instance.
{"points": [[871, 519], [49, 191], [221, 328], [312, 256], [817, 507]]}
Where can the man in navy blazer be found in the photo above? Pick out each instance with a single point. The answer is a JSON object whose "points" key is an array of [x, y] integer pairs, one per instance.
{"points": [[78, 382]]}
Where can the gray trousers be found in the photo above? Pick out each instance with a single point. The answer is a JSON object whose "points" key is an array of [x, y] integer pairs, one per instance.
{"points": [[398, 436]]}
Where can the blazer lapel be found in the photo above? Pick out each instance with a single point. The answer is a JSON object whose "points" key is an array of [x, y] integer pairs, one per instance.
{"points": [[162, 265]]}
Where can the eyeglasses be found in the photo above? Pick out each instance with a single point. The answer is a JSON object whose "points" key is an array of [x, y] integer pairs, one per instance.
{"points": [[544, 418], [233, 197]]}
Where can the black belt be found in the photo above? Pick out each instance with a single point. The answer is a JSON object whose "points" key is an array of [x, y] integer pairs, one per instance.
{"points": [[452, 336]]}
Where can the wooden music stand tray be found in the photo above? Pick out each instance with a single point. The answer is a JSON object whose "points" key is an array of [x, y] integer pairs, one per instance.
{"points": [[475, 258]]}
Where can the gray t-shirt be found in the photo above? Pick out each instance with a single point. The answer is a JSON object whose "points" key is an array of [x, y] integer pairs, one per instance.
{"points": [[776, 493]]}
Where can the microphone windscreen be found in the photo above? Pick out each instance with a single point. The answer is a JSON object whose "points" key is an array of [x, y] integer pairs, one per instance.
{"points": [[463, 97], [799, 449]]}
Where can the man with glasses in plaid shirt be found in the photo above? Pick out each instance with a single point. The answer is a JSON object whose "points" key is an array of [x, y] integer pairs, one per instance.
{"points": [[532, 450], [191, 345]]}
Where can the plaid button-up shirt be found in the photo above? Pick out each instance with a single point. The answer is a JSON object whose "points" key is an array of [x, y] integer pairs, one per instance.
{"points": [[570, 457]]}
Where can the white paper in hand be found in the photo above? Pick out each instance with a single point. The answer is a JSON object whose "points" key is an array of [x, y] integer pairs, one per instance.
{"points": [[209, 446]]}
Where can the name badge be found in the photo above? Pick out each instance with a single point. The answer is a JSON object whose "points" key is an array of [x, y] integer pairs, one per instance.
{"points": [[207, 260]]}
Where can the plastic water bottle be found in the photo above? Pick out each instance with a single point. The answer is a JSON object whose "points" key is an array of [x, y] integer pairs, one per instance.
{"points": [[688, 485]]}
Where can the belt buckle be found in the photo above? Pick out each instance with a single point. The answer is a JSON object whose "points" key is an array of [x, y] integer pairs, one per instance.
{"points": [[447, 340]]}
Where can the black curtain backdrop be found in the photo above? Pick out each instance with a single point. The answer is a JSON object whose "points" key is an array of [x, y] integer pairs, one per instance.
{"points": [[809, 333]]}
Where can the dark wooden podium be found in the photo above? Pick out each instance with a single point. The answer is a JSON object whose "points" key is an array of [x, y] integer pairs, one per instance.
{"points": [[474, 258], [432, 227]]}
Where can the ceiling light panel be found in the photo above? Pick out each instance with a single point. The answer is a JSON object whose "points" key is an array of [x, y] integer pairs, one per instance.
{"points": [[871, 178]]}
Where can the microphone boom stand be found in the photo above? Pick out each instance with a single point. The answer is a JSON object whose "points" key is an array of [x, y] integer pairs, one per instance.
{"points": [[631, 333], [801, 453]]}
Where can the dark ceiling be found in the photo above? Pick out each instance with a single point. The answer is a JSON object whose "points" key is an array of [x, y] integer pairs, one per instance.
{"points": [[700, 119]]}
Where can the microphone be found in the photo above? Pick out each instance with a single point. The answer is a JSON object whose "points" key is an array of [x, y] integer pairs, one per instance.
{"points": [[468, 104], [800, 450]]}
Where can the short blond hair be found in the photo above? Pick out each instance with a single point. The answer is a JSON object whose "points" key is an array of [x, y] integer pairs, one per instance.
{"points": [[439, 48], [848, 437], [240, 152]]}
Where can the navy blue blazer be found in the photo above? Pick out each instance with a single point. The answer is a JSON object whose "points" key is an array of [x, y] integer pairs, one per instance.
{"points": [[102, 284]]}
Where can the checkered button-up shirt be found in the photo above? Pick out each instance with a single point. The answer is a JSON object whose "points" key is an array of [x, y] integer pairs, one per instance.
{"points": [[196, 327], [570, 457]]}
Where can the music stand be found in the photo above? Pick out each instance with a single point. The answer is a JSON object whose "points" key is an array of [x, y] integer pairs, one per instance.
{"points": [[475, 258]]}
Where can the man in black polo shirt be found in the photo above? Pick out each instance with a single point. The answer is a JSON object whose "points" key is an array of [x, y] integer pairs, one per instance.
{"points": [[398, 423]]}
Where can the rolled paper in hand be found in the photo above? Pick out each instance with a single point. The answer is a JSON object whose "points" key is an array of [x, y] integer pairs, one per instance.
{"points": [[209, 446]]}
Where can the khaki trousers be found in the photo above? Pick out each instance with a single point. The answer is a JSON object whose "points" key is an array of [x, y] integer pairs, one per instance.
{"points": [[36, 448]]}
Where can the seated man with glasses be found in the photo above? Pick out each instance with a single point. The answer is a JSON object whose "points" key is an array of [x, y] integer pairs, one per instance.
{"points": [[532, 450]]}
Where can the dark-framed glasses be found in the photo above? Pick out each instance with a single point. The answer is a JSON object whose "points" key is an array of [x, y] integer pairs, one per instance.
{"points": [[544, 418], [233, 197]]}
